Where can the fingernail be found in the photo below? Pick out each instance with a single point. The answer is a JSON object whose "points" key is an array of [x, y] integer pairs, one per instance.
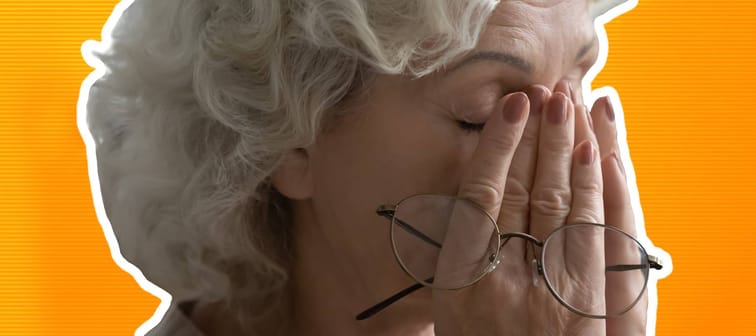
{"points": [[514, 107], [609, 108], [619, 163], [564, 87], [536, 95], [557, 111], [586, 153], [588, 116]]}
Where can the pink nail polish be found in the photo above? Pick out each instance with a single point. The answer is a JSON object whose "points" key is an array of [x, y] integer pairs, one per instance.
{"points": [[514, 107], [586, 153], [563, 86], [557, 109], [537, 97]]}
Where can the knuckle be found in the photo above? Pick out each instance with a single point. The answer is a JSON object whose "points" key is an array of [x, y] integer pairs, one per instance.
{"points": [[556, 144], [516, 196], [559, 153], [485, 194], [553, 202], [590, 188], [589, 215], [501, 142], [529, 138]]}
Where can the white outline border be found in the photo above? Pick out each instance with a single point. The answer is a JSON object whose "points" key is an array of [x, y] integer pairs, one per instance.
{"points": [[89, 47], [87, 50], [640, 226]]}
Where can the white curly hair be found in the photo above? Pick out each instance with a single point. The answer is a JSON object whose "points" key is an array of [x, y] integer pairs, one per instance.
{"points": [[201, 99]]}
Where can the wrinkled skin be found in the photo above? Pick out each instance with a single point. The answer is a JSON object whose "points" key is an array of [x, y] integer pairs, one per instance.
{"points": [[532, 175]]}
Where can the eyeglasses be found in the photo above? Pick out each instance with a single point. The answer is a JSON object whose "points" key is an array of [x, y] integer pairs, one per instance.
{"points": [[446, 242]]}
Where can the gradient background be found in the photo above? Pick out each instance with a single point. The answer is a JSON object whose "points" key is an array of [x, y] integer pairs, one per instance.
{"points": [[684, 70]]}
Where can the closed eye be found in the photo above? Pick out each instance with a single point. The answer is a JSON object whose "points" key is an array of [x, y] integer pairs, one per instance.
{"points": [[469, 127]]}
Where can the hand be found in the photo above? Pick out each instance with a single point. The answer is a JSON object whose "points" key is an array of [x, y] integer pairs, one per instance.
{"points": [[566, 186]]}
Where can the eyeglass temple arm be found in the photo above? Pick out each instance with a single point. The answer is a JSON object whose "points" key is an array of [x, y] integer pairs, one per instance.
{"points": [[387, 211], [385, 303], [653, 262]]}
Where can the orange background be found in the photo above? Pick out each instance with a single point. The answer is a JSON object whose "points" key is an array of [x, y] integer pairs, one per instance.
{"points": [[684, 71]]}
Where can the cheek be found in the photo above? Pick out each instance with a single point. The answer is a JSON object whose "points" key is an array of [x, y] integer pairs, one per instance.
{"points": [[378, 161], [424, 155], [385, 162]]}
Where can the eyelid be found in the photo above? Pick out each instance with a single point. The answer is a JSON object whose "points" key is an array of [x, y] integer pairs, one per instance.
{"points": [[470, 127], [472, 111], [470, 115], [463, 120]]}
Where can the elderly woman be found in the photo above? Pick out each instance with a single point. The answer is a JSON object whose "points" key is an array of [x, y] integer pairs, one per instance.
{"points": [[361, 167]]}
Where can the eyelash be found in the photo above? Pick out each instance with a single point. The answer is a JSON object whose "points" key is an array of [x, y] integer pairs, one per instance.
{"points": [[470, 127]]}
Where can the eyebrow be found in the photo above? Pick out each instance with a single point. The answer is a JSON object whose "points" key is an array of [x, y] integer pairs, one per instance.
{"points": [[512, 60]]}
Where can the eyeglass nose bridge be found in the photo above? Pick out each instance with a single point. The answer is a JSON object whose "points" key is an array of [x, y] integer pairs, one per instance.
{"points": [[536, 266], [504, 237]]}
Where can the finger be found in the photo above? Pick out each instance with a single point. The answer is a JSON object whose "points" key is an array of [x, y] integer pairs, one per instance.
{"points": [[485, 180], [617, 204], [575, 94], [514, 214], [603, 118], [584, 125], [631, 323], [587, 183], [622, 288], [470, 240], [551, 196], [583, 245]]}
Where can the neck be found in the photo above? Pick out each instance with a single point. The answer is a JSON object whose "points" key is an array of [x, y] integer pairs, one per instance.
{"points": [[329, 290]]}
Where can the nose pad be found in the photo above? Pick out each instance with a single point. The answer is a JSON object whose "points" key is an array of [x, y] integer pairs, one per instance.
{"points": [[493, 261], [534, 267]]}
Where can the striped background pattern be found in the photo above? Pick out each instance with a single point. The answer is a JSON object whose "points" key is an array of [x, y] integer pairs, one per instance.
{"points": [[684, 70]]}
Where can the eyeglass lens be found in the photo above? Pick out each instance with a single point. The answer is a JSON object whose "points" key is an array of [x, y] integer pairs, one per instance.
{"points": [[445, 240], [449, 243]]}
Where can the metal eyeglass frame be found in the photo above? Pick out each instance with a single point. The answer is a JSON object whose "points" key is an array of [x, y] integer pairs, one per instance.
{"points": [[388, 211]]}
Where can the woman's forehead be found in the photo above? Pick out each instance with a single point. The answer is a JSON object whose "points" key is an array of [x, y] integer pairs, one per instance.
{"points": [[544, 33], [541, 17]]}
